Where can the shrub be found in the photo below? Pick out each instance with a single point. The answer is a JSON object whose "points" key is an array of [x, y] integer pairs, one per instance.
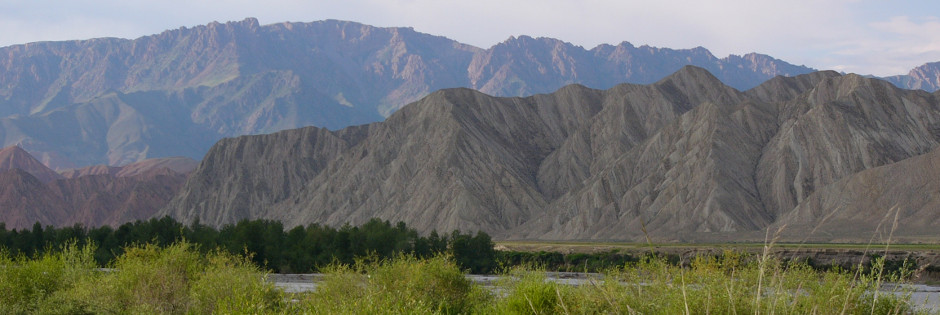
{"points": [[232, 284], [529, 292], [405, 285], [28, 285], [176, 279], [180, 279]]}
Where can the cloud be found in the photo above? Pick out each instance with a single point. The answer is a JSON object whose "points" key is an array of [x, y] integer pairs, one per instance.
{"points": [[920, 37], [887, 47]]}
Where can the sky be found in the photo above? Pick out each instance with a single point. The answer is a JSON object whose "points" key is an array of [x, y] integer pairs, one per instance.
{"points": [[878, 37]]}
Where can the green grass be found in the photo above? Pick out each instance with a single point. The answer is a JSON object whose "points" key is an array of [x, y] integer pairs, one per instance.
{"points": [[179, 279]]}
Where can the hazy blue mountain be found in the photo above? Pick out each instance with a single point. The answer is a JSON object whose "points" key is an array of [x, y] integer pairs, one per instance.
{"points": [[116, 101], [925, 77]]}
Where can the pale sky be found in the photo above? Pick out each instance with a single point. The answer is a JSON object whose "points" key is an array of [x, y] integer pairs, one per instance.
{"points": [[877, 37]]}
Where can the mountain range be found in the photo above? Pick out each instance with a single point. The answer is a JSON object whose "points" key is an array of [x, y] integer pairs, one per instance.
{"points": [[94, 196], [925, 77], [687, 158], [118, 101], [533, 138]]}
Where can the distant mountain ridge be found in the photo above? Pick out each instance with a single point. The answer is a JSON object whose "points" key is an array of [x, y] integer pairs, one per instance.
{"points": [[686, 158], [116, 101], [925, 77], [100, 195], [178, 164]]}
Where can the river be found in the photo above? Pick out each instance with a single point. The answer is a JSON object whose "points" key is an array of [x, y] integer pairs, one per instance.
{"points": [[924, 297]]}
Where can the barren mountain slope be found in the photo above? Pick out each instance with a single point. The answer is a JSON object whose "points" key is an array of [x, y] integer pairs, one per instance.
{"points": [[842, 126], [92, 196], [14, 157], [455, 150], [866, 204], [695, 175], [686, 158], [178, 164], [25, 200], [736, 168], [456, 159], [97, 200], [241, 177]]}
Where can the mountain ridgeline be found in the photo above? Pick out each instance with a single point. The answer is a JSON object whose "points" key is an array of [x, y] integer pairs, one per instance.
{"points": [[925, 77], [116, 101], [687, 158], [100, 195], [614, 142]]}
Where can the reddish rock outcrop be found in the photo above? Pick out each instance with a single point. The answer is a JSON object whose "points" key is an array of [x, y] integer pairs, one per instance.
{"points": [[92, 196]]}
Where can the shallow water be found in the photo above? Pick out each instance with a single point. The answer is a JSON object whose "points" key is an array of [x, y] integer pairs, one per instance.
{"points": [[296, 282], [924, 297]]}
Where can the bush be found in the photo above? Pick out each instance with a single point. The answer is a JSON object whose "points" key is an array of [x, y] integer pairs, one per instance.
{"points": [[528, 292], [231, 284], [176, 279], [180, 279], [406, 285], [29, 285]]}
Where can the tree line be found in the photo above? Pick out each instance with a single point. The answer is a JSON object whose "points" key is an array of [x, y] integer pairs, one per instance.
{"points": [[303, 249], [299, 249]]}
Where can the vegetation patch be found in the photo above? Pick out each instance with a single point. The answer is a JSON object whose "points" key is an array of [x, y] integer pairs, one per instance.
{"points": [[181, 279], [385, 268], [175, 279], [300, 249]]}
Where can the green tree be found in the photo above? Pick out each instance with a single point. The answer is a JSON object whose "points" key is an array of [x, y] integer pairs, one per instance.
{"points": [[473, 253]]}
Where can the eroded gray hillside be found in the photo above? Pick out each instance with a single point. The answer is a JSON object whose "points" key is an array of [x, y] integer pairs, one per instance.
{"points": [[842, 126], [872, 200], [686, 158]]}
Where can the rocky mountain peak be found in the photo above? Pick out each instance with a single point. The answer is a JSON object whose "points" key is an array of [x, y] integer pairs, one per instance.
{"points": [[925, 77], [692, 75], [250, 22], [853, 85], [784, 88], [928, 75], [699, 50], [697, 84], [14, 157]]}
